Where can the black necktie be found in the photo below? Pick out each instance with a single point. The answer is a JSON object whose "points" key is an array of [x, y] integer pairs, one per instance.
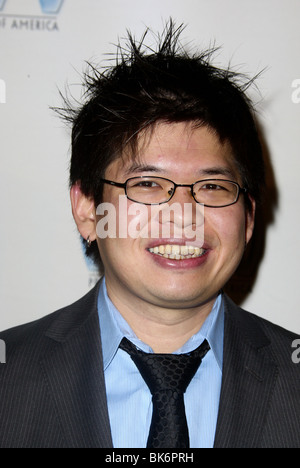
{"points": [[167, 376]]}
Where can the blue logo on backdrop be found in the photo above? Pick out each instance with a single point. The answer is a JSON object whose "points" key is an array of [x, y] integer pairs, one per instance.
{"points": [[32, 22], [51, 6]]}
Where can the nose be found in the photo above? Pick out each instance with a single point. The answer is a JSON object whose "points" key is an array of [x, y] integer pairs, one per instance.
{"points": [[182, 193], [182, 207], [182, 216]]}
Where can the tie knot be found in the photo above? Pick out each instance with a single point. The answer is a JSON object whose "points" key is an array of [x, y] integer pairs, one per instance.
{"points": [[163, 372]]}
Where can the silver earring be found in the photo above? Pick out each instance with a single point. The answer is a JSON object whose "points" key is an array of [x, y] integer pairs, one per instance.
{"points": [[88, 242]]}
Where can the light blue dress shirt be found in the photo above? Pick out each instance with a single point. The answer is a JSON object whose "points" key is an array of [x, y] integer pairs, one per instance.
{"points": [[128, 396]]}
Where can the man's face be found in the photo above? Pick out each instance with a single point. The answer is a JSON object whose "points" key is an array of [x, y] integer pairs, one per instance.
{"points": [[136, 273]]}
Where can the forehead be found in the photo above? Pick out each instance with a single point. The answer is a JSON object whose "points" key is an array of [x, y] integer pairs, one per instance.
{"points": [[175, 148]]}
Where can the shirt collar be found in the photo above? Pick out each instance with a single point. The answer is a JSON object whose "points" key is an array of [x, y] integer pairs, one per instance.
{"points": [[114, 328]]}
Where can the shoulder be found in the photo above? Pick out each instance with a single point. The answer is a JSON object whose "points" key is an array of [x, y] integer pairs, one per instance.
{"points": [[249, 323], [46, 363], [29, 337], [262, 333]]}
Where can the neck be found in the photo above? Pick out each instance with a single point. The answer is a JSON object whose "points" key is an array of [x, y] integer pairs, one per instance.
{"points": [[164, 330]]}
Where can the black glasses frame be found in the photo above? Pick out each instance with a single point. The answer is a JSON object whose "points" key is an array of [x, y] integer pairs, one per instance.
{"points": [[123, 185]]}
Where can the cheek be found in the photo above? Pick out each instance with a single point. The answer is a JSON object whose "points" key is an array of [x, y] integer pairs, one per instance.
{"points": [[135, 221], [120, 225], [121, 218], [228, 225]]}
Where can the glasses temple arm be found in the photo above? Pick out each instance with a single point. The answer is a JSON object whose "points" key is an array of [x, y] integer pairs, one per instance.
{"points": [[111, 182]]}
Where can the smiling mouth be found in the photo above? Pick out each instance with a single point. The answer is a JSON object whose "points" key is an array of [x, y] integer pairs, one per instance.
{"points": [[177, 252]]}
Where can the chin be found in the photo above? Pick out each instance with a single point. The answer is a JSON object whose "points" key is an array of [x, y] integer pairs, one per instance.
{"points": [[178, 298]]}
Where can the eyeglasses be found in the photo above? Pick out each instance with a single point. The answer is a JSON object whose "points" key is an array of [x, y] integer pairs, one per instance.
{"points": [[214, 193]]}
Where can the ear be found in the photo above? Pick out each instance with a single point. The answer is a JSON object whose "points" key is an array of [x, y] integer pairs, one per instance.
{"points": [[83, 209], [250, 220]]}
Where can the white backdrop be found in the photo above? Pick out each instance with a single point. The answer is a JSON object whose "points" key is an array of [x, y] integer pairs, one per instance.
{"points": [[42, 266]]}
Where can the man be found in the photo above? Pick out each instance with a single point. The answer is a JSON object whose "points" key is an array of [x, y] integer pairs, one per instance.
{"points": [[167, 144]]}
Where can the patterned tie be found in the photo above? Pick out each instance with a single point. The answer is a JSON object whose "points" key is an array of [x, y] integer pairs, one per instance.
{"points": [[167, 376]]}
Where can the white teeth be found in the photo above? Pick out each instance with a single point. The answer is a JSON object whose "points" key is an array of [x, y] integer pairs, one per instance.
{"points": [[161, 249], [191, 249], [168, 249], [177, 252], [176, 249]]}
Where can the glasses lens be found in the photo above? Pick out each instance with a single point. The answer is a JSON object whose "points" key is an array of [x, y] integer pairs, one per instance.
{"points": [[149, 190], [216, 192]]}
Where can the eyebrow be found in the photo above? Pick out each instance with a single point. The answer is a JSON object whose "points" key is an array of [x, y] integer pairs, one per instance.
{"points": [[209, 171], [217, 171], [138, 167]]}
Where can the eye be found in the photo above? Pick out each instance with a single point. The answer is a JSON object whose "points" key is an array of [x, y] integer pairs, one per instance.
{"points": [[146, 184], [211, 186]]}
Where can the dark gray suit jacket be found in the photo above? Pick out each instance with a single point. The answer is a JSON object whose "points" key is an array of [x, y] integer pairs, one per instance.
{"points": [[52, 390]]}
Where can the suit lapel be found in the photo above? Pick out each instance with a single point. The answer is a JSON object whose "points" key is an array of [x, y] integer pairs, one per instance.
{"points": [[249, 375], [74, 371]]}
